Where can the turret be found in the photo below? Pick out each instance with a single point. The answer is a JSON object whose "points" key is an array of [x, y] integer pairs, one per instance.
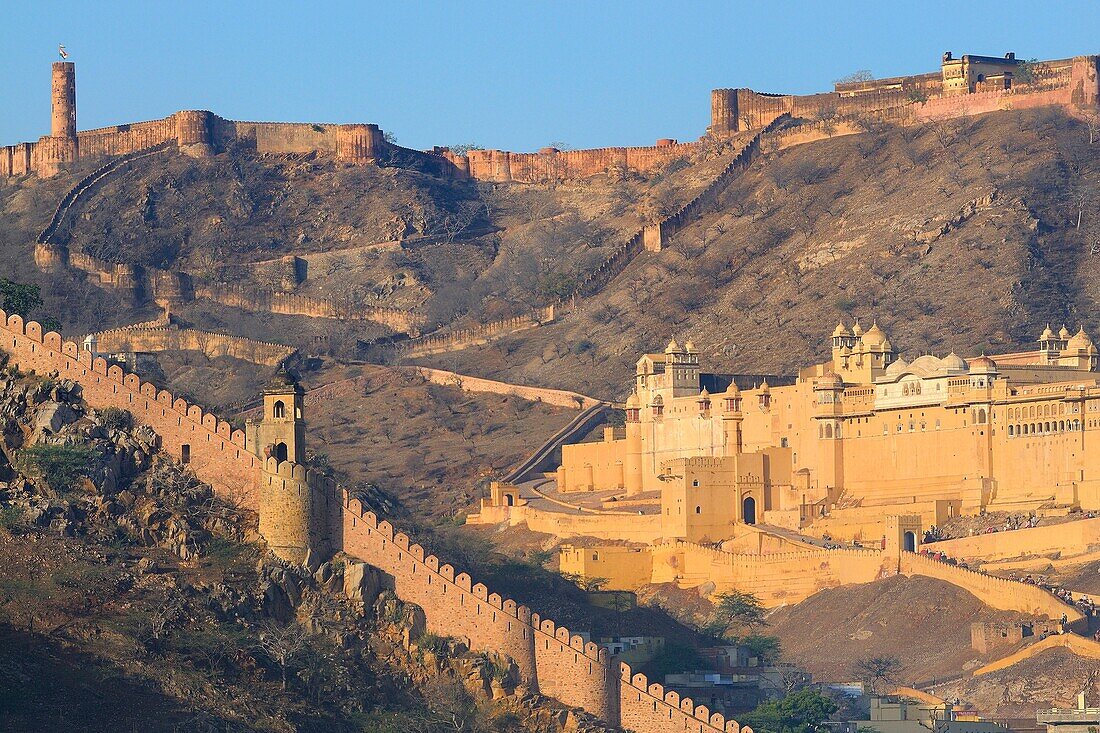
{"points": [[53, 152], [63, 98], [632, 461], [732, 417], [280, 433], [193, 134], [293, 513]]}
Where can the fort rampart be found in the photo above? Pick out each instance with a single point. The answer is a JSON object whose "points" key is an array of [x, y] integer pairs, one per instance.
{"points": [[295, 502], [152, 339], [441, 343], [911, 99], [559, 397], [210, 446], [1069, 538], [1007, 595]]}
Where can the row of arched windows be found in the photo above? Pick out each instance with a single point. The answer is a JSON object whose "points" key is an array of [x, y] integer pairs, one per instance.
{"points": [[1045, 410], [1044, 428]]}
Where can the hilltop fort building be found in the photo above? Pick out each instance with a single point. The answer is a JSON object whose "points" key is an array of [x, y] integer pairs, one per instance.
{"points": [[860, 437]]}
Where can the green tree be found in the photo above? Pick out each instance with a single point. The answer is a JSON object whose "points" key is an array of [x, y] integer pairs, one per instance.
{"points": [[737, 608], [803, 711], [19, 298], [672, 659], [764, 648], [60, 465]]}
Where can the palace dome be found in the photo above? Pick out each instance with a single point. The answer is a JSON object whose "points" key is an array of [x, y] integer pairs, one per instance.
{"points": [[840, 330], [1080, 342], [898, 367], [874, 337], [1063, 333], [733, 390], [983, 363], [672, 347], [632, 401], [1047, 334], [689, 347], [954, 362]]}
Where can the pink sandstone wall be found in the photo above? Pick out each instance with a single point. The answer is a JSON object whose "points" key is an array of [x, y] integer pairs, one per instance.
{"points": [[649, 708], [561, 664], [218, 455]]}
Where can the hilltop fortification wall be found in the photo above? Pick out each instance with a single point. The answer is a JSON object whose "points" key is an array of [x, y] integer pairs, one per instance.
{"points": [[911, 99], [152, 339], [210, 446]]}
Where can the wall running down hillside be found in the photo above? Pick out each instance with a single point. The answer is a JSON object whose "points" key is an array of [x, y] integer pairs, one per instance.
{"points": [[550, 658], [153, 339]]}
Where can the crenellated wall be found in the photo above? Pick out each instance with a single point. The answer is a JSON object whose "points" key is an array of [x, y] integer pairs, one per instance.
{"points": [[1008, 595], [467, 337], [214, 450]]}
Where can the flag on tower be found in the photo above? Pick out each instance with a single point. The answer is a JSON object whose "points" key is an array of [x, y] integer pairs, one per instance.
{"points": [[61, 51]]}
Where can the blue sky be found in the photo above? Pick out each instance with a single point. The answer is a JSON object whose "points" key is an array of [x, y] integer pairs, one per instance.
{"points": [[511, 75]]}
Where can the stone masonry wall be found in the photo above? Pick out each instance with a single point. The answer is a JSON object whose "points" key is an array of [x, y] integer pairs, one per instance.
{"points": [[152, 339], [217, 452], [554, 660]]}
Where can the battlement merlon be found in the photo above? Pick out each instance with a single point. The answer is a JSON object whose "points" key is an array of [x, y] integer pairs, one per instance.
{"points": [[1072, 81]]}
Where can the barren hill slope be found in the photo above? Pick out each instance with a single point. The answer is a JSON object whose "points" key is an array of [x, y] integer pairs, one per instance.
{"points": [[960, 235]]}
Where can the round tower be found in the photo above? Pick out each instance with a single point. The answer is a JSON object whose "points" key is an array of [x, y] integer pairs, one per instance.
{"points": [[358, 143], [288, 511], [193, 134], [291, 510], [63, 97]]}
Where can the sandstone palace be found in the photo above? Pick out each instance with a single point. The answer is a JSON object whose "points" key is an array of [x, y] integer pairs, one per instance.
{"points": [[866, 446]]}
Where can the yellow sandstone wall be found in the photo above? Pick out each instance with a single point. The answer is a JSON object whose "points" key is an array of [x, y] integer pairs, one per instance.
{"points": [[1070, 538]]}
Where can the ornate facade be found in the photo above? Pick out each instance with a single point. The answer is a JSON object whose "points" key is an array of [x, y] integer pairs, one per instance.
{"points": [[862, 435]]}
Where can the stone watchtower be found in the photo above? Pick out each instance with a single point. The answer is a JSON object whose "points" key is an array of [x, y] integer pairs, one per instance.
{"points": [[280, 433], [295, 509], [52, 152]]}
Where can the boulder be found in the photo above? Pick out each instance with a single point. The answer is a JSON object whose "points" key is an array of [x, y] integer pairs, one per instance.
{"points": [[53, 416], [362, 583]]}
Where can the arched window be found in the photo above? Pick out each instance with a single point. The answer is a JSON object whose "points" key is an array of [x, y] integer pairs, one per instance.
{"points": [[981, 416], [1011, 431], [828, 431], [278, 410], [280, 452], [698, 510]]}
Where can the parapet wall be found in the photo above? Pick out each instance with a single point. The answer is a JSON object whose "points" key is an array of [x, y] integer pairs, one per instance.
{"points": [[550, 658], [464, 338], [168, 338], [1069, 538], [214, 450], [1008, 595], [559, 397], [649, 708], [551, 165], [910, 99], [775, 578]]}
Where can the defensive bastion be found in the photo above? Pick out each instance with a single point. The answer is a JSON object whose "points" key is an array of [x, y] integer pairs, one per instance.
{"points": [[305, 516]]}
